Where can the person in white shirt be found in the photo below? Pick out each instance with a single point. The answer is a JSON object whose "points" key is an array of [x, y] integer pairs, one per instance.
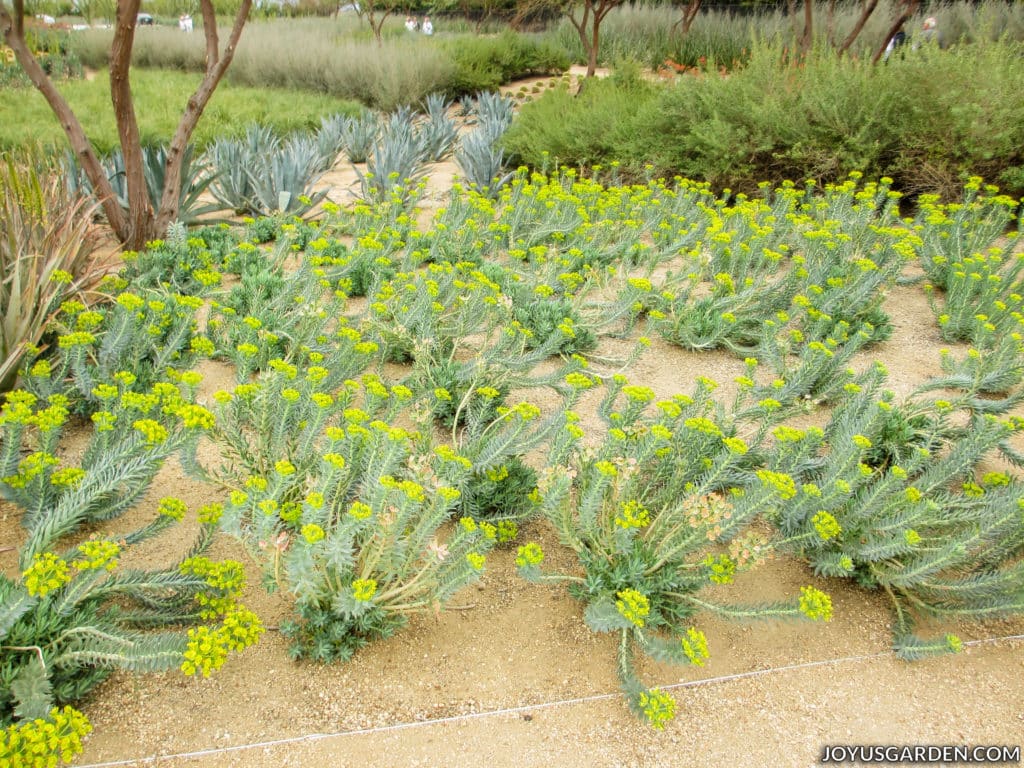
{"points": [[410, 24], [428, 28]]}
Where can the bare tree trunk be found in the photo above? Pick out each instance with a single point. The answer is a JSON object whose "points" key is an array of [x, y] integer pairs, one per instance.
{"points": [[13, 29], [689, 15], [909, 9], [830, 23], [595, 39], [140, 209], [869, 8], [216, 65], [808, 36], [581, 29]]}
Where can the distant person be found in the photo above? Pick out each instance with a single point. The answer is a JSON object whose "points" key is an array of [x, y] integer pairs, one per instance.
{"points": [[929, 34], [185, 23], [428, 28], [410, 24], [895, 42]]}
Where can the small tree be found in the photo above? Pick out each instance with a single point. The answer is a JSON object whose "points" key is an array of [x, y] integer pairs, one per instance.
{"points": [[376, 13], [689, 16], [138, 223], [587, 20], [588, 25]]}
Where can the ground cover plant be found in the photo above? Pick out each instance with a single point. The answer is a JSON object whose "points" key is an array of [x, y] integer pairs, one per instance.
{"points": [[375, 450], [401, 70]]}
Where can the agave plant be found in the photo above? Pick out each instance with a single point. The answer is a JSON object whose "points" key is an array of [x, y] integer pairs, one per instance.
{"points": [[332, 139], [262, 175], [45, 245], [482, 162], [361, 135], [232, 158], [494, 112], [283, 181], [396, 162], [437, 134], [196, 178]]}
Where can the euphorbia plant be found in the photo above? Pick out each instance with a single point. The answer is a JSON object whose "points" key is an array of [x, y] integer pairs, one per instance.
{"points": [[900, 502], [357, 538], [72, 615], [658, 515]]}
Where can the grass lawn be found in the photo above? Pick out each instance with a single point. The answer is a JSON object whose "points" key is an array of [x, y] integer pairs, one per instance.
{"points": [[160, 98]]}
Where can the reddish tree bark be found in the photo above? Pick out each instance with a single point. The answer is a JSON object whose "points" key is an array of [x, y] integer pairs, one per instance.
{"points": [[140, 223], [858, 27], [688, 17], [807, 38], [13, 28], [909, 9], [589, 28]]}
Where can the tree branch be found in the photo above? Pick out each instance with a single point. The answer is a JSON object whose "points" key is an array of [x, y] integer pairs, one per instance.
{"points": [[869, 8], [140, 210], [210, 33], [170, 199], [13, 30], [909, 9]]}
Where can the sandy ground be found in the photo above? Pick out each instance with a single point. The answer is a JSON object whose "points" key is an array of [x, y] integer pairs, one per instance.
{"points": [[512, 676]]}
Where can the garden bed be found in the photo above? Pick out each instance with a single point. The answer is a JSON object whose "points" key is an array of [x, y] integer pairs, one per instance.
{"points": [[511, 674]]}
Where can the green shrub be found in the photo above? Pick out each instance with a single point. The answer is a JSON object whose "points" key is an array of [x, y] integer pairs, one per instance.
{"points": [[586, 129], [484, 63], [927, 121]]}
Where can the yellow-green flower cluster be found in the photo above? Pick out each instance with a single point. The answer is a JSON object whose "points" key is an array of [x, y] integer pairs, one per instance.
{"points": [[476, 561], [703, 425], [47, 573], [172, 507], [208, 649], [195, 416], [826, 525], [721, 568], [633, 605], [154, 432], [363, 590], [96, 554], [695, 646], [783, 484], [632, 514], [312, 533], [529, 554], [658, 707], [360, 511], [210, 514], [38, 743], [31, 467], [225, 575], [69, 477], [815, 604]]}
